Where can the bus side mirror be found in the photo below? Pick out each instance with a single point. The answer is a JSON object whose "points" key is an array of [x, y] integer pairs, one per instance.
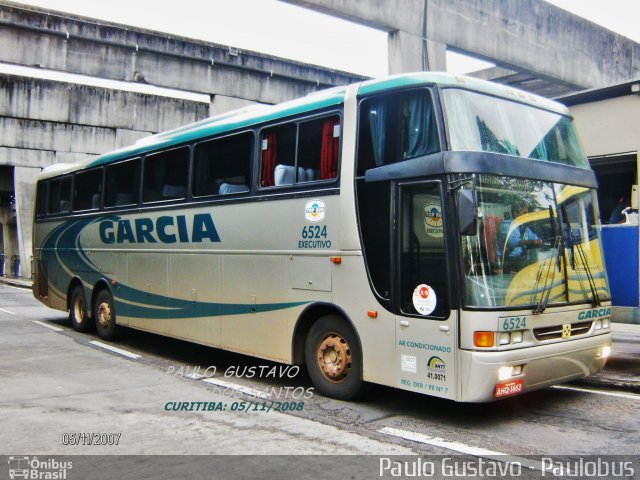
{"points": [[467, 211]]}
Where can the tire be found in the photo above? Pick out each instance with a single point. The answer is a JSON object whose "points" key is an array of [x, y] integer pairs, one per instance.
{"points": [[78, 315], [104, 315], [334, 358]]}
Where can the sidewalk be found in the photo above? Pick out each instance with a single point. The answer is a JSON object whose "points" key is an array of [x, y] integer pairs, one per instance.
{"points": [[622, 371]]}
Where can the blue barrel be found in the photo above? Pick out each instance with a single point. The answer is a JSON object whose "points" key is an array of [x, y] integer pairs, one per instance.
{"points": [[620, 245], [16, 266]]}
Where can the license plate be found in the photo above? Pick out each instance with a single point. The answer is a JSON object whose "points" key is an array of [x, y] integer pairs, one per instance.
{"points": [[509, 388]]}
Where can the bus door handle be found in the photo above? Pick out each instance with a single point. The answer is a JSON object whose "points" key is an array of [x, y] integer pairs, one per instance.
{"points": [[444, 328], [404, 323]]}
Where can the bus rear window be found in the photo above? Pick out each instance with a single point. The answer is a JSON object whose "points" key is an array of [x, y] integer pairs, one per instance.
{"points": [[87, 190], [41, 199], [59, 196]]}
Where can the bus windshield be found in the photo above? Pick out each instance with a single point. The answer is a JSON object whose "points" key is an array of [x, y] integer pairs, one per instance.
{"points": [[536, 243], [483, 123]]}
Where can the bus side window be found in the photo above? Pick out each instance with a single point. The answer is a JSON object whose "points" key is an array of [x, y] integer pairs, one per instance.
{"points": [[318, 149], [165, 175], [122, 184], [278, 146], [87, 190], [301, 152], [223, 165], [396, 127]]}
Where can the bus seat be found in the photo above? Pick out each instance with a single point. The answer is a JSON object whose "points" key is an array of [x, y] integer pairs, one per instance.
{"points": [[285, 175], [226, 188], [312, 174], [95, 200], [65, 205], [174, 191], [124, 198]]}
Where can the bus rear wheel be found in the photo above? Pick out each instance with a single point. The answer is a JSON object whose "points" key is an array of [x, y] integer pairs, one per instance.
{"points": [[104, 314], [78, 315], [334, 359]]}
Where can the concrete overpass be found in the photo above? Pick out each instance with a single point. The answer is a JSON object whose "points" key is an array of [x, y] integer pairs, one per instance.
{"points": [[535, 45]]}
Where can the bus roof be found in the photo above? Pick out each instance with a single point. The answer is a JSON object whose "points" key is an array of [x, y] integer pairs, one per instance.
{"points": [[249, 117]]}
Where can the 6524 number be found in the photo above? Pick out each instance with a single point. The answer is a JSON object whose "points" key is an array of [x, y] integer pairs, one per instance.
{"points": [[514, 323], [314, 231]]}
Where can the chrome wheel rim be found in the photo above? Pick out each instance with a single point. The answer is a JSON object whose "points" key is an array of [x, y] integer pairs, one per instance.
{"points": [[78, 309], [334, 357]]}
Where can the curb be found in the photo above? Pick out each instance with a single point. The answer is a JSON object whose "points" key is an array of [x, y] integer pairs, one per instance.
{"points": [[14, 282]]}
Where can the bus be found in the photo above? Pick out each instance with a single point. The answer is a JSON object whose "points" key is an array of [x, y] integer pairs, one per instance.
{"points": [[359, 231]]}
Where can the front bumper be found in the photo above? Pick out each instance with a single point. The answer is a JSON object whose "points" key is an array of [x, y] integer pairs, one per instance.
{"points": [[543, 365]]}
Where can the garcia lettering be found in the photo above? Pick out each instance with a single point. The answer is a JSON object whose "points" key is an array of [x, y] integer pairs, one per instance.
{"points": [[164, 230]]}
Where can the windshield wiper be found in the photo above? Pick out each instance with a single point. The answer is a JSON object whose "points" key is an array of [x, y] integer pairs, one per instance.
{"points": [[595, 299], [545, 268], [542, 302], [577, 247]]}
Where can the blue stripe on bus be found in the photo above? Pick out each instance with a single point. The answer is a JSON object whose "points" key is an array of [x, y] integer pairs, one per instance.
{"points": [[65, 258]]}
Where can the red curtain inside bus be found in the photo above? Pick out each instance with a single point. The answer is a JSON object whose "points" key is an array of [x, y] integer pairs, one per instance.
{"points": [[269, 158], [329, 151]]}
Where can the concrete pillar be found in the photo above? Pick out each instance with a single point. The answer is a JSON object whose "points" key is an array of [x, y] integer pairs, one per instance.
{"points": [[407, 54], [10, 247], [437, 56], [25, 188]]}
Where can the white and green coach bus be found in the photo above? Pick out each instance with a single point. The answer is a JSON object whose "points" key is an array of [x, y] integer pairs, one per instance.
{"points": [[429, 232]]}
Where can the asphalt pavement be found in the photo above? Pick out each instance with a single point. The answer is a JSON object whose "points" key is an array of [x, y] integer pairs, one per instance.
{"points": [[622, 371]]}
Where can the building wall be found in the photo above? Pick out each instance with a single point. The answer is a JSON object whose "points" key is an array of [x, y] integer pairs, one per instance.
{"points": [[609, 127]]}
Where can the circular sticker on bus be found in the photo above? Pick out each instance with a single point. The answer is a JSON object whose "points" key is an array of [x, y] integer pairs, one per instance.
{"points": [[424, 299], [314, 211], [433, 220]]}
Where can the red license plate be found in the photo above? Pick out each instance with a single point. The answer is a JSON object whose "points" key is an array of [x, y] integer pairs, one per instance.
{"points": [[509, 388]]}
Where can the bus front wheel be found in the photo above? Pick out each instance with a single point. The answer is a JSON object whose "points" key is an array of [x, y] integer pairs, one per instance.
{"points": [[78, 315], [334, 359], [105, 316]]}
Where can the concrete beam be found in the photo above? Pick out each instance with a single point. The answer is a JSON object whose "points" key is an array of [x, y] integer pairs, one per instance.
{"points": [[526, 35], [51, 101], [80, 45]]}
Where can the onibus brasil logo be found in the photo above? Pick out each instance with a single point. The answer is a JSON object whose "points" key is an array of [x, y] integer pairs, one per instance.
{"points": [[34, 468]]}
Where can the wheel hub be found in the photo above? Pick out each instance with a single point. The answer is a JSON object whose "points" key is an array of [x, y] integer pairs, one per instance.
{"points": [[104, 314], [334, 357]]}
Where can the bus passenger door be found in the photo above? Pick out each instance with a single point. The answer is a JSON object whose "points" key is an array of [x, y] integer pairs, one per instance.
{"points": [[426, 326]]}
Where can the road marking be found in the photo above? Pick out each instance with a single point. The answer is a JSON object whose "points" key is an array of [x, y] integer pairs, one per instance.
{"points": [[632, 396], [460, 447], [119, 351], [7, 311], [46, 325], [239, 388]]}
